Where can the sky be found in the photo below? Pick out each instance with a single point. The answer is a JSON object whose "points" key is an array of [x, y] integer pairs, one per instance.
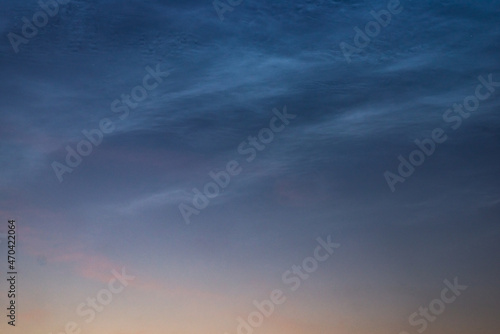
{"points": [[179, 162]]}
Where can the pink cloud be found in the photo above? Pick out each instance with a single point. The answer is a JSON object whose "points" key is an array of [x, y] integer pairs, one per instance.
{"points": [[36, 315], [304, 190], [93, 266]]}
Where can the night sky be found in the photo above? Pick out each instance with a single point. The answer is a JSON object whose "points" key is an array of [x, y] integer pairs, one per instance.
{"points": [[215, 152]]}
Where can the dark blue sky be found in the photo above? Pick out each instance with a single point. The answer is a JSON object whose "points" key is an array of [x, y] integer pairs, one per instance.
{"points": [[324, 172]]}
